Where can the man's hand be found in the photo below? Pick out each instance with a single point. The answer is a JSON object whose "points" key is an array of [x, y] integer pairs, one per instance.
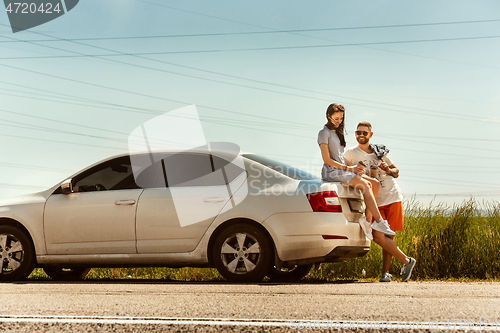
{"points": [[391, 170], [384, 167]]}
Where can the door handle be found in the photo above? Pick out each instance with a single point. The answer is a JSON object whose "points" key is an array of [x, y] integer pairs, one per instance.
{"points": [[125, 202], [214, 199]]}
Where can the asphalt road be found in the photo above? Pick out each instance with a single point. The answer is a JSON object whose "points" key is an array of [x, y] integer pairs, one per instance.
{"points": [[151, 306]]}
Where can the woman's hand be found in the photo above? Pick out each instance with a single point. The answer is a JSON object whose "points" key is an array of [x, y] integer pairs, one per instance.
{"points": [[356, 169]]}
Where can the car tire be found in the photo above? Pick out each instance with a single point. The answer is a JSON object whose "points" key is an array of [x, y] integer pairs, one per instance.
{"points": [[66, 274], [17, 254], [242, 253], [289, 274]]}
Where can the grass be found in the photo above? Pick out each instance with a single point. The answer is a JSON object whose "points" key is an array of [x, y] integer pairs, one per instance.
{"points": [[450, 243], [145, 273]]}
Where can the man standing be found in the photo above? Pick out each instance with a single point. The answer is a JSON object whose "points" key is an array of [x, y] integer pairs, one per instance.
{"points": [[389, 196]]}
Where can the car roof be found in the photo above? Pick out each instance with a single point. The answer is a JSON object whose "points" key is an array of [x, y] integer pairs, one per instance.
{"points": [[218, 152]]}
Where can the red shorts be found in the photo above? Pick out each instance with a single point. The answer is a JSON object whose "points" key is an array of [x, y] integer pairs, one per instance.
{"points": [[393, 213]]}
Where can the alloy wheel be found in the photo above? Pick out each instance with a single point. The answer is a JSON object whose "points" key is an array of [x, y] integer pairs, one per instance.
{"points": [[11, 252], [240, 253]]}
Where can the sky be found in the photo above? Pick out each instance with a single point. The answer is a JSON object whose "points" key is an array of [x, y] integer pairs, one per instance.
{"points": [[425, 74]]}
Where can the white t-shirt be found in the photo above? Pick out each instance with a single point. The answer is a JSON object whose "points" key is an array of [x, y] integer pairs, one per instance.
{"points": [[389, 191]]}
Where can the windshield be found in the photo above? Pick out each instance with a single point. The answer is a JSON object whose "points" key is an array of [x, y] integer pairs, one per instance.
{"points": [[282, 168]]}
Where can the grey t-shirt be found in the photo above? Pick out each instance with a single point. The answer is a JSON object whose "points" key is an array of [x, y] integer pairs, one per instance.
{"points": [[332, 140]]}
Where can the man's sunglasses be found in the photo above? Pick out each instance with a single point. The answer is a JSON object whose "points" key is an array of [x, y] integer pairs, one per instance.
{"points": [[365, 133]]}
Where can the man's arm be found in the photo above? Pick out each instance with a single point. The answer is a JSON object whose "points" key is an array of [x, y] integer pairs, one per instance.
{"points": [[391, 170]]}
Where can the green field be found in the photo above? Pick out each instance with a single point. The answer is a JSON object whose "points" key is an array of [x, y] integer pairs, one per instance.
{"points": [[458, 242]]}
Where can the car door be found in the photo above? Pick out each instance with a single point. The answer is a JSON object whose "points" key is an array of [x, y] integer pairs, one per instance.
{"points": [[184, 194], [98, 217]]}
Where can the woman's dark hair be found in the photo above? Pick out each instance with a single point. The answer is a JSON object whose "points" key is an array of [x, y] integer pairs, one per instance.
{"points": [[332, 108]]}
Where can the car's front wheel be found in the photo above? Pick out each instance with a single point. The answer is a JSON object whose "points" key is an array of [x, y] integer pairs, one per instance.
{"points": [[66, 274], [242, 253], [17, 255], [290, 273]]}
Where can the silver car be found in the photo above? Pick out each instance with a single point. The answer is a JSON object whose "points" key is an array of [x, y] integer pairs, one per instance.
{"points": [[246, 215]]}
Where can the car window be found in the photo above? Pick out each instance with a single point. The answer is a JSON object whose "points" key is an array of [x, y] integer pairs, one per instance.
{"points": [[282, 168], [152, 176], [232, 171], [186, 170], [111, 175]]}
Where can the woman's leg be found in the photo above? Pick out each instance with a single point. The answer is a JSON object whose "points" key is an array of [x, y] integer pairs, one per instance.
{"points": [[388, 244], [366, 188], [375, 187]]}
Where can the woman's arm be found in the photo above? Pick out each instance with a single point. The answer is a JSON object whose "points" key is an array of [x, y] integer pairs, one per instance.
{"points": [[328, 161]]}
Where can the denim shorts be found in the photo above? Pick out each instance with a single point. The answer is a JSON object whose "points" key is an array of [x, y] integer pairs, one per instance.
{"points": [[331, 174]]}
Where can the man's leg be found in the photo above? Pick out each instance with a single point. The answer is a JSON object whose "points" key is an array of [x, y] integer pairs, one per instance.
{"points": [[393, 213], [388, 244], [386, 259], [386, 256]]}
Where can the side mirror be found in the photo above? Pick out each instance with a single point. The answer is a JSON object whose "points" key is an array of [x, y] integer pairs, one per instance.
{"points": [[67, 187]]}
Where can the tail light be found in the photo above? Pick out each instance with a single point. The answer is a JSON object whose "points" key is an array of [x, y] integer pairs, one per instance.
{"points": [[325, 202], [334, 237]]}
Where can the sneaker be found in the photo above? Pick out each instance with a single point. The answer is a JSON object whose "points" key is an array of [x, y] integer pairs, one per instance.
{"points": [[383, 227], [407, 269], [386, 277], [366, 226]]}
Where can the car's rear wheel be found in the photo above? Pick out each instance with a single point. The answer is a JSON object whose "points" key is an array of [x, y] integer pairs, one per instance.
{"points": [[290, 273], [17, 255], [66, 274], [242, 253]]}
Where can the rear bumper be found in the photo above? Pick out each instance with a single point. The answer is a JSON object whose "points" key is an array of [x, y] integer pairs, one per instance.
{"points": [[341, 253], [299, 236]]}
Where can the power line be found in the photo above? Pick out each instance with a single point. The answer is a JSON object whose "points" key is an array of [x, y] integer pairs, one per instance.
{"points": [[56, 141], [125, 63], [34, 167], [217, 122], [439, 144], [158, 112], [24, 187], [61, 122], [298, 34], [36, 127], [458, 182], [284, 121], [304, 35], [475, 166], [251, 49], [448, 171], [432, 114], [447, 184], [254, 32], [478, 158], [453, 115], [240, 85], [440, 138], [474, 194], [128, 108], [214, 120]]}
